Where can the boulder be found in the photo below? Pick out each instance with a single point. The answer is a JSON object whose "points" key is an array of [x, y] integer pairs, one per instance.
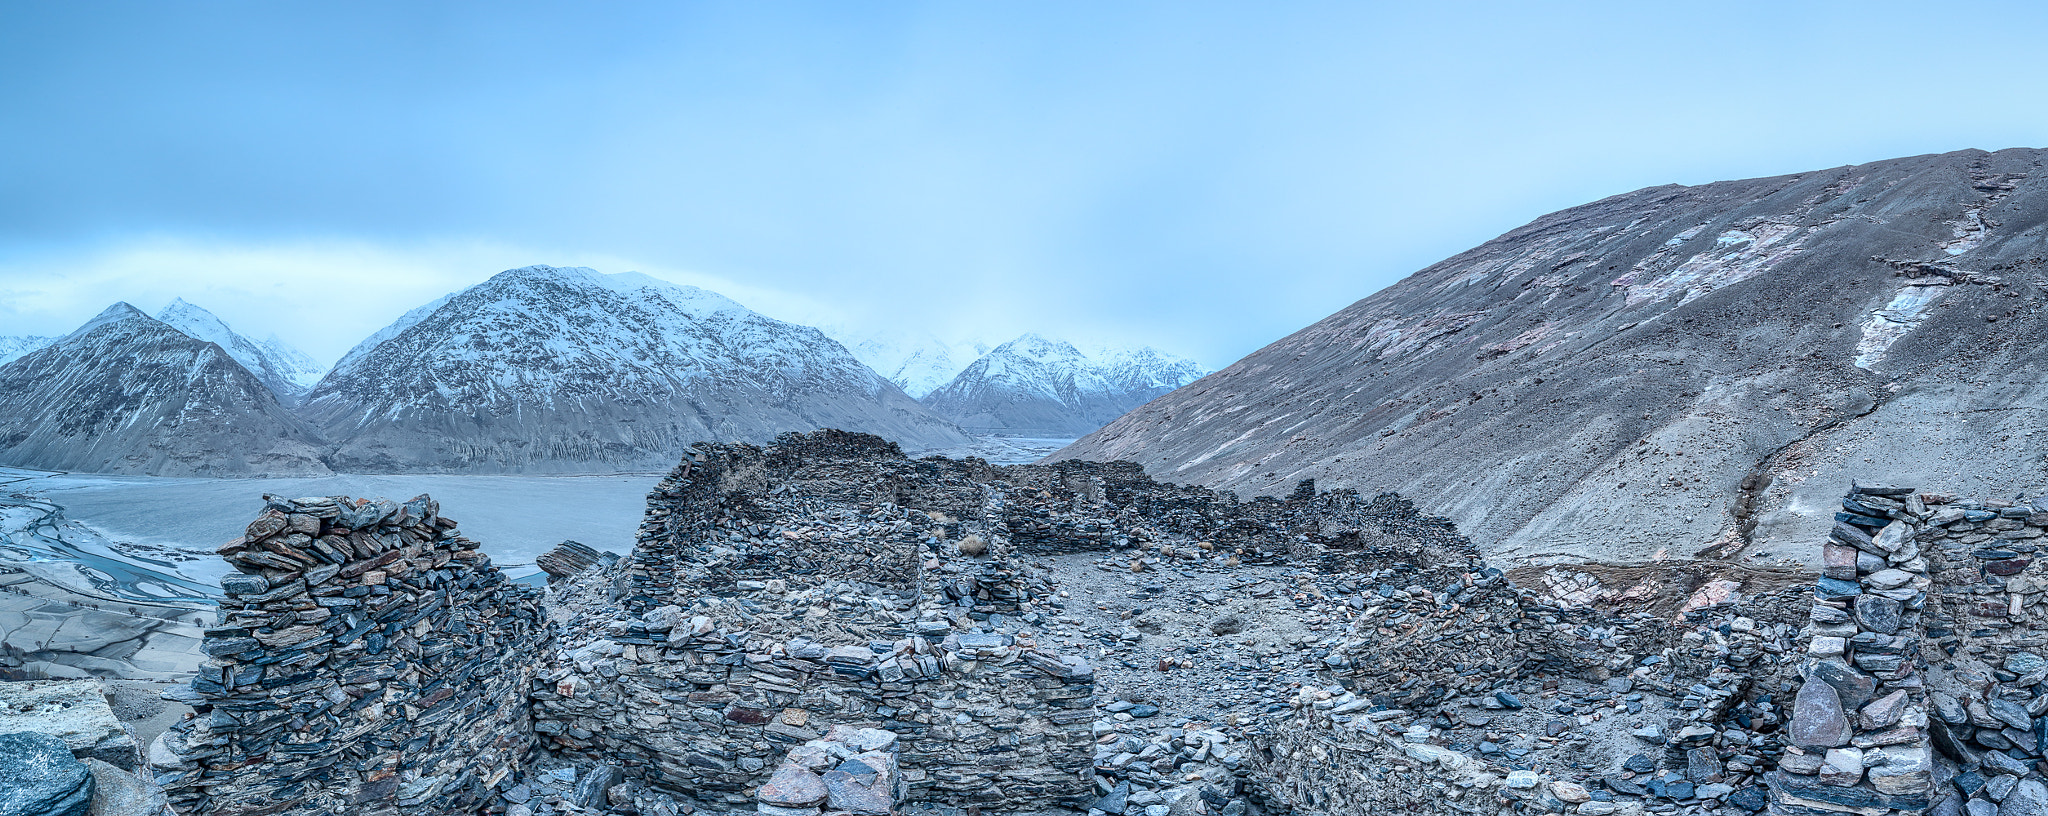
{"points": [[40, 777]]}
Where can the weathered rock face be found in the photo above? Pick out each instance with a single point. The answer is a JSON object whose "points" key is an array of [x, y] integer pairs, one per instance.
{"points": [[368, 660], [545, 370], [1661, 371], [128, 394]]}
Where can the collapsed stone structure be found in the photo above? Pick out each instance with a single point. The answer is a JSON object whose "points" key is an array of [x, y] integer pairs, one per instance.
{"points": [[824, 624], [1914, 684]]}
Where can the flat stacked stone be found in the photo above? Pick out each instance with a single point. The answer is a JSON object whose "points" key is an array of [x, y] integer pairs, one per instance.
{"points": [[569, 558], [368, 660]]}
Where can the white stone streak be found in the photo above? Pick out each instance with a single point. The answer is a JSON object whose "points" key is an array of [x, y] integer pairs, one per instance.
{"points": [[1904, 313]]}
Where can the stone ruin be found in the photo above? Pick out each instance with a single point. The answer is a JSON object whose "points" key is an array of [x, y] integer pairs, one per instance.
{"points": [[819, 625], [368, 659]]}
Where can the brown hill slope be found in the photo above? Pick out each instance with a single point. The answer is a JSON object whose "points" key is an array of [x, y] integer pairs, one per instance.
{"points": [[1670, 371]]}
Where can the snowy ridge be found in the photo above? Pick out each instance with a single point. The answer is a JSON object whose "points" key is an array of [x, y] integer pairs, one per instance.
{"points": [[545, 369], [1036, 385], [404, 322], [18, 346], [285, 370], [918, 363]]}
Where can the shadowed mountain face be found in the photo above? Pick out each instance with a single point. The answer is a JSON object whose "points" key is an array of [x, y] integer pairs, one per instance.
{"points": [[128, 394], [1673, 371], [545, 370]]}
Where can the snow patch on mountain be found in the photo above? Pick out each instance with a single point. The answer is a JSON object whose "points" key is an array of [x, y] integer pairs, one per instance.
{"points": [[285, 370], [545, 369], [16, 347]]}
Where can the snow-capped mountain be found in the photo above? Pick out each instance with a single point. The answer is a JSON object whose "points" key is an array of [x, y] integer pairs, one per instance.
{"points": [[404, 322], [126, 393], [917, 363], [18, 346], [1034, 386], [285, 370], [541, 369]]}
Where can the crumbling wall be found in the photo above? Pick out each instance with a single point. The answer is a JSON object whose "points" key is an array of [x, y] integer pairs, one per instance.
{"points": [[368, 660], [1926, 690], [777, 593]]}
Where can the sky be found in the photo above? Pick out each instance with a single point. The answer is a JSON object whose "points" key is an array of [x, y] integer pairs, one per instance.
{"points": [[1201, 177]]}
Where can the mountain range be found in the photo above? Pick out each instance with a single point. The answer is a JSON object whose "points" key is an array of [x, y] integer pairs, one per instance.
{"points": [[1669, 372], [545, 369], [127, 393], [1034, 386], [17, 346], [537, 370]]}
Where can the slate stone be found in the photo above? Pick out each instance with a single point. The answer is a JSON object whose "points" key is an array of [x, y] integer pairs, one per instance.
{"points": [[2001, 762], [1881, 615], [1116, 800], [591, 788], [1855, 688], [39, 777], [1818, 720], [793, 785], [1831, 589], [2029, 798]]}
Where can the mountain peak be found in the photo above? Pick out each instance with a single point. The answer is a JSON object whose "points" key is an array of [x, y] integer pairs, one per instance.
{"points": [[285, 370], [548, 369], [1036, 385], [116, 313]]}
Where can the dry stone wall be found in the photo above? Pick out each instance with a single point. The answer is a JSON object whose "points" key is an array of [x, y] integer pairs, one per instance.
{"points": [[777, 594], [369, 659], [1926, 692]]}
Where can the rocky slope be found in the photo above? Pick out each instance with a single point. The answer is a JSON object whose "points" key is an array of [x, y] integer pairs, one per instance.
{"points": [[553, 370], [128, 394], [1034, 386], [288, 372], [1669, 372]]}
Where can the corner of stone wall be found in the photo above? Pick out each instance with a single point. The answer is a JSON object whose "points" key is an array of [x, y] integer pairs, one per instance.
{"points": [[1858, 729], [368, 660]]}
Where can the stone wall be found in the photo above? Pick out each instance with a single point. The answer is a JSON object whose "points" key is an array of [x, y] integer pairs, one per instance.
{"points": [[1925, 693], [778, 593], [1476, 696], [368, 660]]}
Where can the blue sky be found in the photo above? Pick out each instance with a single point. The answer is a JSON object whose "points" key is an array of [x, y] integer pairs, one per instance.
{"points": [[1202, 177]]}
